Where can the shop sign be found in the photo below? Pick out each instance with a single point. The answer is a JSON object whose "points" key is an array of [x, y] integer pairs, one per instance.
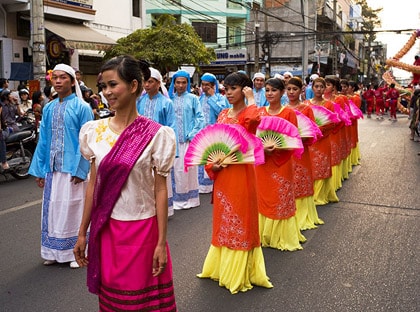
{"points": [[227, 57], [87, 4]]}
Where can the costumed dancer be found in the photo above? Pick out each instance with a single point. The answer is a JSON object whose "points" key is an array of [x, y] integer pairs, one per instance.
{"points": [[343, 110], [189, 120], [278, 225], [324, 191], [330, 94], [235, 257], [392, 96], [212, 103], [379, 102], [355, 103], [60, 169], [304, 185], [369, 96], [158, 107], [129, 264]]}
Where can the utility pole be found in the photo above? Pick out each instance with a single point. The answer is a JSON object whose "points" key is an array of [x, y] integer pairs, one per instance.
{"points": [[305, 54], [334, 56], [38, 41], [255, 8], [267, 52]]}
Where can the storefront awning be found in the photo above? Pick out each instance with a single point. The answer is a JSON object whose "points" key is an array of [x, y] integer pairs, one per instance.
{"points": [[78, 36]]}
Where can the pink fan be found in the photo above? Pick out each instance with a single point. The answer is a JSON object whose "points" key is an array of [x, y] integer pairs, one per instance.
{"points": [[280, 133], [342, 114], [216, 143], [307, 128], [356, 112], [255, 152], [323, 116]]}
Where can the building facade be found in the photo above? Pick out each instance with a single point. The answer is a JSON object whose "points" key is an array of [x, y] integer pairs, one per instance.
{"points": [[77, 32], [221, 24]]}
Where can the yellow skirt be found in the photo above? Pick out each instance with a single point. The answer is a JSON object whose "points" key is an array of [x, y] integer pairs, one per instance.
{"points": [[324, 192], [237, 270], [355, 155], [336, 176], [280, 234], [306, 213], [345, 167]]}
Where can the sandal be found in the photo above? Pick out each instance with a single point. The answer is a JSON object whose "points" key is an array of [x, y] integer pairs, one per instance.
{"points": [[5, 166]]}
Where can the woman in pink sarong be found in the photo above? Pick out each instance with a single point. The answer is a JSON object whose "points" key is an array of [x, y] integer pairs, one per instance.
{"points": [[129, 264]]}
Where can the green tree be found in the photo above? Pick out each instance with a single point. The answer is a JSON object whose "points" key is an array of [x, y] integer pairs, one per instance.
{"points": [[166, 46], [371, 20]]}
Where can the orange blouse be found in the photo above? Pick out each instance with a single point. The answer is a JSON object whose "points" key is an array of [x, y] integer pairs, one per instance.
{"points": [[235, 212], [275, 178], [320, 151], [304, 183]]}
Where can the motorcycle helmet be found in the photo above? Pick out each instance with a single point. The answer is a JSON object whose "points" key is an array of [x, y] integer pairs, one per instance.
{"points": [[23, 91], [4, 95]]}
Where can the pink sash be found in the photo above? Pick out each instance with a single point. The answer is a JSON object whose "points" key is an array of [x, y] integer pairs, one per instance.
{"points": [[111, 175]]}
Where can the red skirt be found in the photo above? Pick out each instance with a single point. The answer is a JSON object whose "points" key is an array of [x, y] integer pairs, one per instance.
{"points": [[127, 283]]}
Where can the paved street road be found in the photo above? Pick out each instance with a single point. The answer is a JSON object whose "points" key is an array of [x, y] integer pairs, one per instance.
{"points": [[365, 258]]}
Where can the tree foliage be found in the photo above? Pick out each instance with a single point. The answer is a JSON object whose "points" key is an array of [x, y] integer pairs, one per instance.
{"points": [[371, 20], [165, 46]]}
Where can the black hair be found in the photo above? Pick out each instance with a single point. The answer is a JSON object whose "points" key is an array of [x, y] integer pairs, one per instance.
{"points": [[36, 97], [4, 95], [334, 81], [296, 81], [47, 91], [238, 79], [354, 85], [275, 83], [344, 82], [3, 81], [128, 69]]}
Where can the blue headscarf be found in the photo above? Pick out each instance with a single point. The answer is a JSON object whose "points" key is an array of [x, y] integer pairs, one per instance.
{"points": [[211, 78], [179, 73]]}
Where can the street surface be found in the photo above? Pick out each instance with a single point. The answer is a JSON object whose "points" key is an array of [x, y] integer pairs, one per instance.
{"points": [[365, 258]]}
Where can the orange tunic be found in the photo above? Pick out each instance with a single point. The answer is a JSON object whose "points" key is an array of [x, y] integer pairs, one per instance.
{"points": [[321, 150], [275, 178], [344, 131], [304, 183], [355, 131], [235, 212]]}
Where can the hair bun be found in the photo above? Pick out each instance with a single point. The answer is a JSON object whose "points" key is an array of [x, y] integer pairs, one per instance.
{"points": [[144, 67]]}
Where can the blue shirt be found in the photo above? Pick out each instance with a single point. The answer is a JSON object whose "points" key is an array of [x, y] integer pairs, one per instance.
{"points": [[58, 144], [212, 106]]}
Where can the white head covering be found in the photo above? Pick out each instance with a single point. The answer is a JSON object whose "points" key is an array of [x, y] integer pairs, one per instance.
{"points": [[69, 70], [279, 76], [53, 92], [288, 74], [154, 73], [258, 75], [313, 77]]}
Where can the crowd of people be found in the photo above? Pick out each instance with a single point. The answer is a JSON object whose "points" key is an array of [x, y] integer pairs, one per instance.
{"points": [[116, 224]]}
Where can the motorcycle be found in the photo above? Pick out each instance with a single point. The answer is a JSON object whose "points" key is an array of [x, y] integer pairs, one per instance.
{"points": [[105, 113], [19, 150]]}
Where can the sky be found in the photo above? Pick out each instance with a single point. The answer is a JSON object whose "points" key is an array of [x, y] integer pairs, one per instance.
{"points": [[398, 14]]}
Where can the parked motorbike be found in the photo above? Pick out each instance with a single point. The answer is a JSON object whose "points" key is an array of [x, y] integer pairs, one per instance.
{"points": [[105, 113], [20, 147]]}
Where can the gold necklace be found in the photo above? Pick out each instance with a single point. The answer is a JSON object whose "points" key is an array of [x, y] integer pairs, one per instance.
{"points": [[278, 111]]}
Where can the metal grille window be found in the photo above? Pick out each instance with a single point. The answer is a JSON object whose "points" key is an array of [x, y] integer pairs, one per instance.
{"points": [[207, 31]]}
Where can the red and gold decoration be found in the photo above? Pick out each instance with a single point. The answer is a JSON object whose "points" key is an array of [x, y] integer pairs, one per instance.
{"points": [[395, 61]]}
